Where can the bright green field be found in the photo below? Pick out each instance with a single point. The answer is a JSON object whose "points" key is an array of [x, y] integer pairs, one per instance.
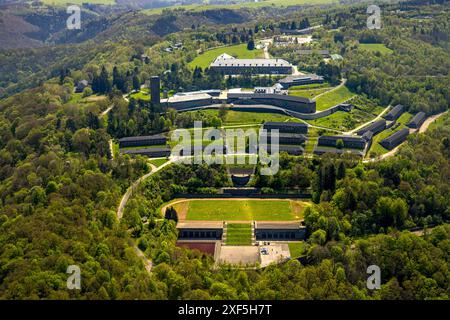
{"points": [[374, 47], [296, 249], [243, 210], [265, 3], [158, 162], [238, 51], [141, 95], [333, 98], [239, 234]]}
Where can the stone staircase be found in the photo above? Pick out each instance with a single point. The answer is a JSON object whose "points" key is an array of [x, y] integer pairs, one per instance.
{"points": [[253, 233]]}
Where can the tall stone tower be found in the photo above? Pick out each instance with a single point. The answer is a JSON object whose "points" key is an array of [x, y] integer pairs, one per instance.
{"points": [[154, 89]]}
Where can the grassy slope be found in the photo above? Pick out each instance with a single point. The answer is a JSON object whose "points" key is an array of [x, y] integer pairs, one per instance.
{"points": [[237, 51], [296, 249], [245, 210], [242, 117], [333, 98], [239, 234]]}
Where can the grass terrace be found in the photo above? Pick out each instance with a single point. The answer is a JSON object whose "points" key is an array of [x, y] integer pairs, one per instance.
{"points": [[342, 120], [297, 249], [310, 90], [333, 97], [239, 234]]}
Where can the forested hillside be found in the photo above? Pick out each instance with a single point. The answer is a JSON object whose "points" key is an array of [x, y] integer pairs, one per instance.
{"points": [[60, 184]]}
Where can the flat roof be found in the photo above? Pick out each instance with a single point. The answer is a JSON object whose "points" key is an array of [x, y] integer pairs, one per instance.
{"points": [[200, 225], [294, 79], [285, 135], [286, 124], [144, 150], [291, 225], [142, 138], [343, 138], [232, 62], [184, 98]]}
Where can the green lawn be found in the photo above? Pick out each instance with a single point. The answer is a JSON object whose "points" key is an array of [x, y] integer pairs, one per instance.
{"points": [[333, 98], [375, 47], [242, 117], [144, 147], [239, 234], [141, 95], [342, 120], [237, 51], [245, 210], [440, 122], [158, 162], [297, 249], [307, 93]]}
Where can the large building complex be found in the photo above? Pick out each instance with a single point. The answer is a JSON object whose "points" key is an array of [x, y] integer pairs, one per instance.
{"points": [[229, 65]]}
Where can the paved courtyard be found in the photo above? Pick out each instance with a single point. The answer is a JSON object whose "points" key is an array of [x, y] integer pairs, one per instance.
{"points": [[250, 255], [239, 255]]}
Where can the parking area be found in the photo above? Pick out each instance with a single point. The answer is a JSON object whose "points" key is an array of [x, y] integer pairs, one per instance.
{"points": [[273, 253], [243, 255]]}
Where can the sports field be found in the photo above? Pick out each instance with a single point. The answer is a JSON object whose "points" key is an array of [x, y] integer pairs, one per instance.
{"points": [[240, 209], [238, 51]]}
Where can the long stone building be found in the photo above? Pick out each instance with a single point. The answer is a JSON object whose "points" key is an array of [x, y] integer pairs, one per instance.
{"points": [[140, 141], [395, 139], [229, 65], [288, 127]]}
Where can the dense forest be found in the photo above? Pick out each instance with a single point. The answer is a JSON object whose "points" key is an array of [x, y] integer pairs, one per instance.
{"points": [[60, 186]]}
